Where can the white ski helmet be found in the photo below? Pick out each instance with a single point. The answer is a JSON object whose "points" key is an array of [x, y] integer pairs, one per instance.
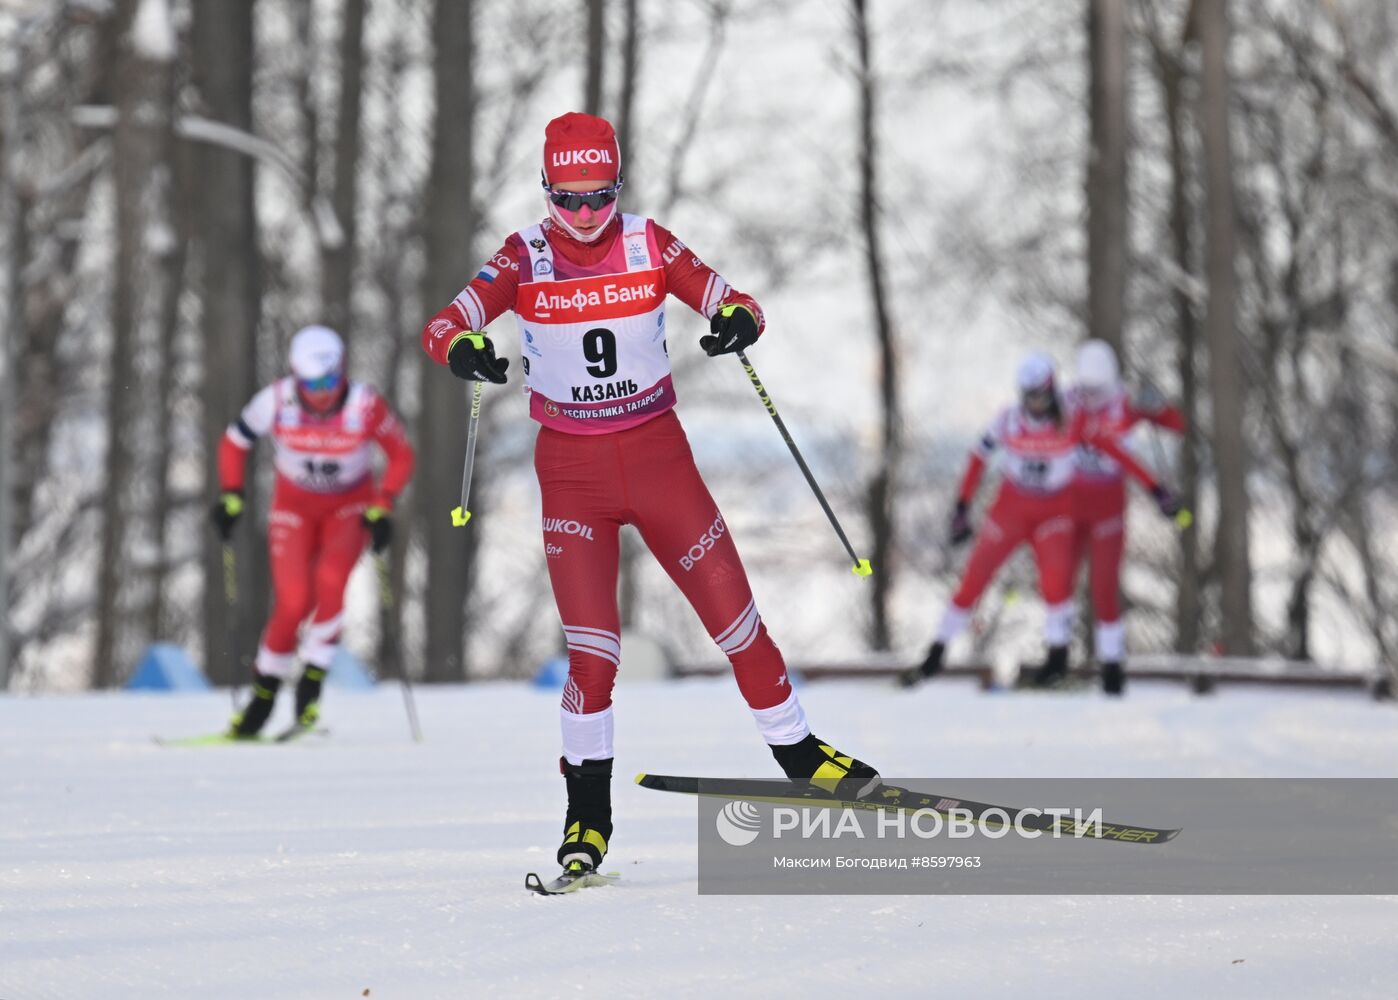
{"points": [[1035, 372], [1096, 366], [316, 351]]}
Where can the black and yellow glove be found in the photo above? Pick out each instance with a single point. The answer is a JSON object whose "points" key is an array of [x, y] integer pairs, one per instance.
{"points": [[732, 328], [225, 513], [471, 356], [379, 523]]}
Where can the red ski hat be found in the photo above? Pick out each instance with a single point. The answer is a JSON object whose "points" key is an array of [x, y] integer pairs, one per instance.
{"points": [[580, 147]]}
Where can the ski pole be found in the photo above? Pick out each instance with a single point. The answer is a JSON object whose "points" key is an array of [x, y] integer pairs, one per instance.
{"points": [[462, 514], [391, 642], [861, 566], [1184, 517], [230, 601]]}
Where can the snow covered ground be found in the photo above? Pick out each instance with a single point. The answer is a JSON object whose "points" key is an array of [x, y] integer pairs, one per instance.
{"points": [[365, 865]]}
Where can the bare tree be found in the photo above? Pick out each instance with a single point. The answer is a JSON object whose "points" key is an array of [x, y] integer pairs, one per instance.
{"points": [[142, 148], [304, 76], [626, 95], [1106, 172], [1169, 68], [172, 390], [52, 172], [450, 222], [392, 273], [720, 11], [229, 265], [337, 271], [882, 486], [1228, 388], [11, 231], [596, 56]]}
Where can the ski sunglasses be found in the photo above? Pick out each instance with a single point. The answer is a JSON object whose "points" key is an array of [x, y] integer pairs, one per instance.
{"points": [[571, 201], [320, 384]]}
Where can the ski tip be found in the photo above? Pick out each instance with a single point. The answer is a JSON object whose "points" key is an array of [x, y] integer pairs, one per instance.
{"points": [[641, 778]]}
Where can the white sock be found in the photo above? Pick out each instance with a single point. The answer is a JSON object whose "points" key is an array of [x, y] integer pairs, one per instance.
{"points": [[1111, 641], [319, 640], [270, 664], [953, 623], [586, 737], [784, 724], [1058, 624]]}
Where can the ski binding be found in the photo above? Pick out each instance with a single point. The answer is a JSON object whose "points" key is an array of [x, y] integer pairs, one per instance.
{"points": [[576, 875]]}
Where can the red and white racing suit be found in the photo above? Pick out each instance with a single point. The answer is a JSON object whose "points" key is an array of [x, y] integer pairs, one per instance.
{"points": [[314, 530], [1099, 507], [611, 452], [1034, 505]]}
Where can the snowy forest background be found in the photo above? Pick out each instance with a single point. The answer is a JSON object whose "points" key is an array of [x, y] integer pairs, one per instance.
{"points": [[916, 190]]}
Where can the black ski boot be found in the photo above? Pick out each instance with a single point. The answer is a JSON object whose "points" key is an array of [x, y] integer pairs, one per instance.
{"points": [[825, 768], [930, 667], [249, 722], [588, 825], [1113, 678], [308, 696], [1053, 671]]}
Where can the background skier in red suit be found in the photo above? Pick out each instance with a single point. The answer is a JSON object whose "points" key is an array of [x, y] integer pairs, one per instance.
{"points": [[325, 508], [1038, 441], [1099, 492]]}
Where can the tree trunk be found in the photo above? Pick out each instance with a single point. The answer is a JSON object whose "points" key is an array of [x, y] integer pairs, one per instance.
{"points": [[883, 486], [1188, 592], [403, 356], [1381, 613], [1226, 383], [596, 56], [626, 97], [13, 223], [222, 63], [141, 158], [1106, 173], [450, 222], [1298, 605], [181, 191], [303, 13], [337, 264], [38, 307]]}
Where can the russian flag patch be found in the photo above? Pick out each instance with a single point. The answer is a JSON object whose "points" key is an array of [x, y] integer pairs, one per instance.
{"points": [[487, 274]]}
